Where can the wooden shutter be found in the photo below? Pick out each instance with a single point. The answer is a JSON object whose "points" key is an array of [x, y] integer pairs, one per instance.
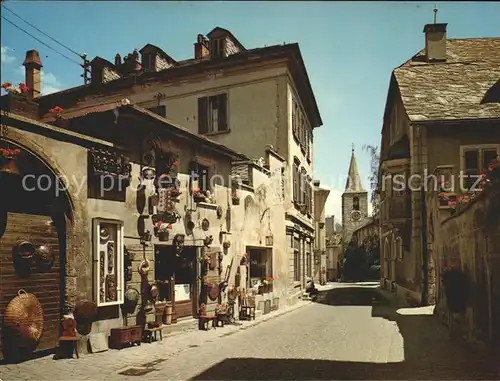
{"points": [[202, 115], [294, 176], [309, 204], [222, 112]]}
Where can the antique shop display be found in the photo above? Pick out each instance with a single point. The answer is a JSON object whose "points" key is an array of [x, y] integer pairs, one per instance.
{"points": [[45, 257], [125, 336], [23, 256], [109, 262], [205, 224], [68, 325], [112, 164], [8, 165], [84, 314], [24, 317], [131, 300], [178, 243]]}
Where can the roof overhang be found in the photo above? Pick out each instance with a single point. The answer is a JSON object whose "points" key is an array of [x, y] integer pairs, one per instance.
{"points": [[290, 52]]}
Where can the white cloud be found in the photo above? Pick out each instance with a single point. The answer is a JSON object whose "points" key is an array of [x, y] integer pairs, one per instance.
{"points": [[50, 84], [5, 56]]}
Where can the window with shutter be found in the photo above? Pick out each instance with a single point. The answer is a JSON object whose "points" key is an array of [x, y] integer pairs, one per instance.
{"points": [[202, 115], [222, 112], [213, 114], [475, 160], [301, 187], [308, 197], [217, 48], [295, 182]]}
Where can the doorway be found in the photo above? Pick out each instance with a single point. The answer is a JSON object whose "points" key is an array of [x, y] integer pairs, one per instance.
{"points": [[177, 278]]}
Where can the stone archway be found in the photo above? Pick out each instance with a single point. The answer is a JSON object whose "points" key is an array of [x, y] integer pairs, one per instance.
{"points": [[75, 227]]}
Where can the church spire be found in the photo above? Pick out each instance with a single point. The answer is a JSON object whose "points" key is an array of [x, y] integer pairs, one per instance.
{"points": [[353, 183]]}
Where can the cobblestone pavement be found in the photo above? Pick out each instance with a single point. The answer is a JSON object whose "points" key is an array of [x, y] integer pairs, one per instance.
{"points": [[352, 332]]}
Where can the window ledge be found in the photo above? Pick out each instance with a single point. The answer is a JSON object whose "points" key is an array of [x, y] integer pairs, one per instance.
{"points": [[215, 133], [207, 205], [296, 284]]}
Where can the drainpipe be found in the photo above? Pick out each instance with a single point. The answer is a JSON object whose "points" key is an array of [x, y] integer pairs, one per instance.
{"points": [[423, 230]]}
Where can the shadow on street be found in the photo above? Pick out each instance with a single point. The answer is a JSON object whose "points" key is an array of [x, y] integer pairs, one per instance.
{"points": [[429, 352]]}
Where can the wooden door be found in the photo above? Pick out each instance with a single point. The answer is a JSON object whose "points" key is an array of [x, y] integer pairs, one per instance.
{"points": [[45, 284], [185, 277]]}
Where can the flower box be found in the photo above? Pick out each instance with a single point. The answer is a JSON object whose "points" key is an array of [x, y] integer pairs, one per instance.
{"points": [[236, 200]]}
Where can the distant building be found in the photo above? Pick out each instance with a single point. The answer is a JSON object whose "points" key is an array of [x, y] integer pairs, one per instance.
{"points": [[354, 202], [329, 226]]}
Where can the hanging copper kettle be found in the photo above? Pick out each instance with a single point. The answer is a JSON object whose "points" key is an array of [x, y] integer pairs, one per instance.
{"points": [[8, 166]]}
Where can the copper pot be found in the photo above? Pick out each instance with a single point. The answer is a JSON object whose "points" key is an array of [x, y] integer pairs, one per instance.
{"points": [[9, 166]]}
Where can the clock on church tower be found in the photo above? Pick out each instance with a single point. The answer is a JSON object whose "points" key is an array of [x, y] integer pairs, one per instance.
{"points": [[354, 200]]}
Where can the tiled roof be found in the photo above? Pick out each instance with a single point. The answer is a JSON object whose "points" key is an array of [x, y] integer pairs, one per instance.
{"points": [[454, 89], [110, 106]]}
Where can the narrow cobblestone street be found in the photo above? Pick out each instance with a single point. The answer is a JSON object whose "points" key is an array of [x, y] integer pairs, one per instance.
{"points": [[352, 332]]}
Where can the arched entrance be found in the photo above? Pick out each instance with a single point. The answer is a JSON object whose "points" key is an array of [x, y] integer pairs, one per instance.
{"points": [[35, 211]]}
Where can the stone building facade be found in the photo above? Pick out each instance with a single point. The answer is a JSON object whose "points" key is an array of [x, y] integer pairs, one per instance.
{"points": [[320, 258], [354, 202], [242, 98], [106, 187], [454, 122], [467, 235]]}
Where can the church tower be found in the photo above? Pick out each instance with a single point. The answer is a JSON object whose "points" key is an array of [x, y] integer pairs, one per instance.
{"points": [[354, 201]]}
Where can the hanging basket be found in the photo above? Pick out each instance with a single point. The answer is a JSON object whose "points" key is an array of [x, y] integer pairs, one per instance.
{"points": [[24, 314]]}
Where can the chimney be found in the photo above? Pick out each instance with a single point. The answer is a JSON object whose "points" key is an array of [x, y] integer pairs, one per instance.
{"points": [[435, 42], [32, 65], [118, 60], [201, 47]]}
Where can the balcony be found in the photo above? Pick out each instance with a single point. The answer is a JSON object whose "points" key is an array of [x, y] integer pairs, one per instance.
{"points": [[395, 208]]}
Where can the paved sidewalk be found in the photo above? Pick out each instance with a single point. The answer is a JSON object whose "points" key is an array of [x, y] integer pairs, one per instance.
{"points": [[106, 365]]}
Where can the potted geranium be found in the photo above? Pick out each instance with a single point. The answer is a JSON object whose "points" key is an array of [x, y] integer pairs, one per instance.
{"points": [[7, 160], [57, 111], [163, 229], [455, 288], [11, 89]]}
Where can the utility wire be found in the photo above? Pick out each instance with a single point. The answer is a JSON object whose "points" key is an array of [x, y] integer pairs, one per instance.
{"points": [[42, 32], [41, 42]]}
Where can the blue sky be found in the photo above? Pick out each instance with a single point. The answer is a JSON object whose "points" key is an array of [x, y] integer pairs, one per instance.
{"points": [[350, 49]]}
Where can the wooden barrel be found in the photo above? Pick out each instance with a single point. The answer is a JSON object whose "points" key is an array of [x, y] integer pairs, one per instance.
{"points": [[168, 314]]}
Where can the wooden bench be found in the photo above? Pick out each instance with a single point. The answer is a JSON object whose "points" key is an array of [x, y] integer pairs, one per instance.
{"points": [[75, 340], [204, 320], [247, 313], [150, 332]]}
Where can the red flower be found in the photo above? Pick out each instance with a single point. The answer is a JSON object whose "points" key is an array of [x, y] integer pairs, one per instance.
{"points": [[175, 164], [6, 85], [56, 110], [23, 88], [9, 152], [169, 226]]}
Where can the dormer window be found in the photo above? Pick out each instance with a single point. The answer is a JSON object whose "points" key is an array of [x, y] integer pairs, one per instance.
{"points": [[148, 61], [217, 48]]}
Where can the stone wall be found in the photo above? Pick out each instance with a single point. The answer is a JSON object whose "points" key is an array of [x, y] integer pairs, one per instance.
{"points": [[470, 237]]}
